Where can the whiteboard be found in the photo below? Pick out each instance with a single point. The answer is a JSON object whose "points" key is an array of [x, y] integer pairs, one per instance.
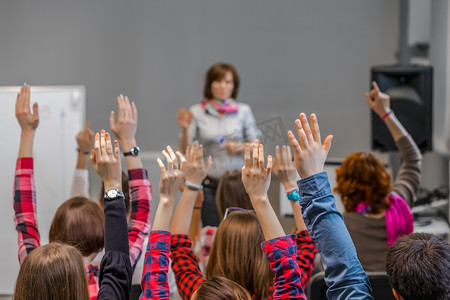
{"points": [[62, 113]]}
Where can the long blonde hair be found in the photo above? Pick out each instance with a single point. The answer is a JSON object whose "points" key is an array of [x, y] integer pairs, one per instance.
{"points": [[53, 271], [237, 255]]}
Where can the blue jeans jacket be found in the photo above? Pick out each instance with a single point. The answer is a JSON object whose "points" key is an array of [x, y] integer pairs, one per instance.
{"points": [[344, 275]]}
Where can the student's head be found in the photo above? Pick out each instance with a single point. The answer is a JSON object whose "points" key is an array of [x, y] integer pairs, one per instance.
{"points": [[221, 82], [126, 193], [220, 288], [53, 271], [363, 178], [236, 254], [79, 222], [418, 267], [231, 192]]}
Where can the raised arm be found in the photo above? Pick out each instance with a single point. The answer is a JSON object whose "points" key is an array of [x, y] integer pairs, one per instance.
{"points": [[154, 278], [140, 188], [115, 269], [280, 250], [25, 218], [284, 169], [80, 183], [409, 175], [343, 273], [184, 119]]}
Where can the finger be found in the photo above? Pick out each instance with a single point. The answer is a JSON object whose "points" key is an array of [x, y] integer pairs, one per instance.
{"points": [[97, 146], [375, 86], [162, 168], [294, 143], [315, 128], [368, 99], [255, 157], [169, 161], [26, 97], [109, 147], [182, 164], [35, 111], [247, 162], [18, 103], [120, 103], [112, 121], [88, 125], [208, 163], [327, 144], [173, 157], [277, 156], [302, 140], [128, 110], [102, 143], [199, 154], [93, 158], [306, 128], [116, 150], [134, 111], [283, 155], [269, 165], [261, 157], [188, 153], [289, 155]]}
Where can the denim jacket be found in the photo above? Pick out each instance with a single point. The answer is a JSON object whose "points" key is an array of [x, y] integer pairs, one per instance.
{"points": [[344, 274]]}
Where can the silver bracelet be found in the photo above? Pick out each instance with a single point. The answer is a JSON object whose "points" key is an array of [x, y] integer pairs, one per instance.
{"points": [[193, 187]]}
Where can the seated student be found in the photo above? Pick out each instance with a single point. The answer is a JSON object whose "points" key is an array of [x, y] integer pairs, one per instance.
{"points": [[78, 221], [56, 270], [418, 267], [377, 214], [237, 240], [344, 275], [280, 250]]}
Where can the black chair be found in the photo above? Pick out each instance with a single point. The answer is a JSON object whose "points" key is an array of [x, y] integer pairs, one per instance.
{"points": [[381, 290]]}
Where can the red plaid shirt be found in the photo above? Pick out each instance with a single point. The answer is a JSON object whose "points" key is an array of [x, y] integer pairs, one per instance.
{"points": [[26, 222], [189, 277], [154, 277]]}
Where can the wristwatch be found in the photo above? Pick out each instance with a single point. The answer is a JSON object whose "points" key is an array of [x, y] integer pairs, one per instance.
{"points": [[112, 194], [134, 151]]}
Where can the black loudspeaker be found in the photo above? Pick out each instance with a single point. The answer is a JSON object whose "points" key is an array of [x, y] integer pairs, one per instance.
{"points": [[410, 89]]}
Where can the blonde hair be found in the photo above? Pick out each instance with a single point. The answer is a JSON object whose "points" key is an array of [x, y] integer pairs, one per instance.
{"points": [[237, 255], [221, 288], [53, 271]]}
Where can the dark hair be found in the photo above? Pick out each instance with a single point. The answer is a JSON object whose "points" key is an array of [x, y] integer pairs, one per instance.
{"points": [[221, 288], [363, 178], [125, 190], [217, 72], [231, 192], [418, 267], [79, 222], [236, 254], [52, 271]]}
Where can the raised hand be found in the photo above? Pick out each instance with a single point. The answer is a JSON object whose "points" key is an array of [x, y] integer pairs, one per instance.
{"points": [[184, 118], [173, 177], [196, 169], [85, 138], [106, 160], [126, 126], [284, 168], [379, 102], [309, 152], [233, 147], [255, 176], [28, 121]]}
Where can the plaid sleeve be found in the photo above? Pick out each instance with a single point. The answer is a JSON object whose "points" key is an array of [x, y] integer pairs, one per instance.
{"points": [[154, 277], [281, 253], [25, 208], [306, 252], [139, 224], [203, 243], [185, 266]]}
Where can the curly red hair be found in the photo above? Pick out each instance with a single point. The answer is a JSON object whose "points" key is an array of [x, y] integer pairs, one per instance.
{"points": [[363, 178]]}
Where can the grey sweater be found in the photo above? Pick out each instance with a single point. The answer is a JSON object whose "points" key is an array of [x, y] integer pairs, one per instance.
{"points": [[369, 234]]}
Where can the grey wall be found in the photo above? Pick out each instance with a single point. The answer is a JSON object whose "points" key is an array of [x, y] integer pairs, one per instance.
{"points": [[293, 56]]}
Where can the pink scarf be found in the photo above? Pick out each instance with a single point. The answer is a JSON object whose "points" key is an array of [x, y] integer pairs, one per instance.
{"points": [[399, 218], [227, 106]]}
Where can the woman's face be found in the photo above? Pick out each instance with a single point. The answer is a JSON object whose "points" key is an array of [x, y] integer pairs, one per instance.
{"points": [[223, 88]]}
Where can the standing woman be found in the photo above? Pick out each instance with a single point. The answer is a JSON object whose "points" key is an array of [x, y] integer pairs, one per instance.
{"points": [[223, 126]]}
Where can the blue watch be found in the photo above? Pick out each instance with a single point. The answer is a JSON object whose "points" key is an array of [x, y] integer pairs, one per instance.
{"points": [[294, 195]]}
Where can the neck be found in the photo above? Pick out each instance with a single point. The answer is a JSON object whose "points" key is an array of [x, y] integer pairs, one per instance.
{"points": [[88, 259]]}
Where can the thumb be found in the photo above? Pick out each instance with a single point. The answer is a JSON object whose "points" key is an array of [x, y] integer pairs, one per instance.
{"points": [[35, 110], [112, 121], [326, 146], [208, 163]]}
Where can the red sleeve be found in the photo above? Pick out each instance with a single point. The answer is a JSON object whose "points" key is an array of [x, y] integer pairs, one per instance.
{"points": [[25, 208], [306, 252], [139, 224], [185, 266]]}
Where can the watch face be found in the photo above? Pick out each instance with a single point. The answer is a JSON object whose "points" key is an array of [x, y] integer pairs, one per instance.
{"points": [[135, 150], [112, 193]]}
